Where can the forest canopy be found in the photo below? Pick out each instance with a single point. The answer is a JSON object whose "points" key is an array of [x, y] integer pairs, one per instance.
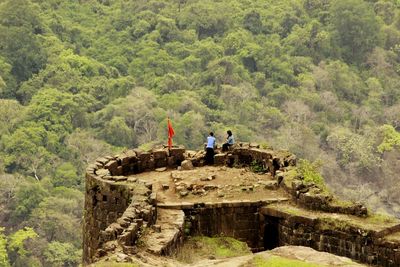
{"points": [[82, 79]]}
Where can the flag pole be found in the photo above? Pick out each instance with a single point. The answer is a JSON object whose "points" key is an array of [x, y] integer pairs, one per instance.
{"points": [[171, 133]]}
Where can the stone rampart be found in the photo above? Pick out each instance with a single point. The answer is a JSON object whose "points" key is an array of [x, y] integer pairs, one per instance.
{"points": [[119, 207], [339, 236]]}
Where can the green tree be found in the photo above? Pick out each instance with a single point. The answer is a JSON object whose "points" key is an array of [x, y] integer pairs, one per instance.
{"points": [[11, 114], [66, 175], [62, 254], [252, 22], [28, 197], [3, 249], [390, 139], [20, 30], [17, 247], [27, 150], [355, 29], [7, 81], [117, 133], [55, 110]]}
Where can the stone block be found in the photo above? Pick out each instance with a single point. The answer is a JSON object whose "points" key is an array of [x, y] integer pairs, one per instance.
{"points": [[290, 160], [144, 156], [177, 153], [220, 159], [115, 227], [254, 145], [171, 161], [103, 161], [159, 163], [128, 157], [187, 165], [103, 172], [266, 154], [125, 238], [241, 151], [256, 154], [270, 185], [159, 154], [245, 224], [151, 165], [124, 222]]}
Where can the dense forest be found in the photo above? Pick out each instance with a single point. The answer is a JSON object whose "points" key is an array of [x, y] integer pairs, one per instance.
{"points": [[85, 78]]}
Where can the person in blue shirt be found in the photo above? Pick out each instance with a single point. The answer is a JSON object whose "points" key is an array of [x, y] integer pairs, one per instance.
{"points": [[210, 149], [229, 141]]}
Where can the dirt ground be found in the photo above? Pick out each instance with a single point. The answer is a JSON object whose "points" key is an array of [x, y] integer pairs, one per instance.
{"points": [[207, 184]]}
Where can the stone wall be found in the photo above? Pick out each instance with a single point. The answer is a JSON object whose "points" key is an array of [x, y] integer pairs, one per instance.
{"points": [[237, 220], [358, 243], [113, 210], [118, 206], [104, 203]]}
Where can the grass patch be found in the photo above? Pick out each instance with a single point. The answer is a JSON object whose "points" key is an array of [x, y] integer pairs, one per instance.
{"points": [[292, 210], [257, 167], [276, 261], [291, 173], [309, 172], [342, 203], [265, 145], [201, 247], [334, 223], [379, 218]]}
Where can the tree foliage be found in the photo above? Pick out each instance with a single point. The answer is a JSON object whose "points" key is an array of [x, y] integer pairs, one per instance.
{"points": [[3, 249], [83, 79]]}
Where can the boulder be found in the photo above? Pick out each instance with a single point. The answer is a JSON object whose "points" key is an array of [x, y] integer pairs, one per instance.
{"points": [[187, 165], [183, 193]]}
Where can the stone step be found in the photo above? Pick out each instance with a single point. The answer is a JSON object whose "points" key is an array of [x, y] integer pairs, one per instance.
{"points": [[167, 233]]}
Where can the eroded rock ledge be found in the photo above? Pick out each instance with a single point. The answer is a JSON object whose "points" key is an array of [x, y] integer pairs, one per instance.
{"points": [[124, 216]]}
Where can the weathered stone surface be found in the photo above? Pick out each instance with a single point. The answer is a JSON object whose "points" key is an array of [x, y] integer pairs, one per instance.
{"points": [[255, 145], [102, 161], [177, 153], [103, 172], [165, 186], [119, 178], [271, 185], [160, 154], [144, 156], [112, 166], [171, 161], [113, 224], [187, 165], [183, 193], [220, 159], [128, 157]]}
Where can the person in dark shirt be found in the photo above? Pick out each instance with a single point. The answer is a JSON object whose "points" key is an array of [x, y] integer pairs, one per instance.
{"points": [[229, 141]]}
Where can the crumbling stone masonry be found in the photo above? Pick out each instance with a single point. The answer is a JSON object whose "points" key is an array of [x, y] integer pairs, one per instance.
{"points": [[118, 207]]}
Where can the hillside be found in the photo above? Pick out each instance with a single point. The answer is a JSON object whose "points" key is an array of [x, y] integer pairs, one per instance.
{"points": [[81, 79]]}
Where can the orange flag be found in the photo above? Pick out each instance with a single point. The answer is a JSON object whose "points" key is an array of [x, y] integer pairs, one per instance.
{"points": [[171, 133]]}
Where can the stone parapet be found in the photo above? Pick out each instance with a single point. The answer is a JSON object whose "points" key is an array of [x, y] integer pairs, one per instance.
{"points": [[358, 239], [120, 209]]}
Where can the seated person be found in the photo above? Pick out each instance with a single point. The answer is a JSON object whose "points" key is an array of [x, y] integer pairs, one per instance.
{"points": [[229, 141]]}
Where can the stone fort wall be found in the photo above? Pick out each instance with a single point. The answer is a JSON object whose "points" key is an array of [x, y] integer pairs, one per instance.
{"points": [[118, 206]]}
